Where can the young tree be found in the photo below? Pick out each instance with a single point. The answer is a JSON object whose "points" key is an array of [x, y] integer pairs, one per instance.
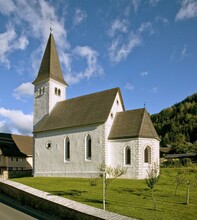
{"points": [[109, 174], [188, 192], [151, 181], [180, 177]]}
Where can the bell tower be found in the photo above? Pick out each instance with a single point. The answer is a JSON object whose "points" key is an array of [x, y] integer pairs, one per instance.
{"points": [[49, 85]]}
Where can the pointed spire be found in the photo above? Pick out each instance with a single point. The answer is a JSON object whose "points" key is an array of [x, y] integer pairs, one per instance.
{"points": [[50, 65]]}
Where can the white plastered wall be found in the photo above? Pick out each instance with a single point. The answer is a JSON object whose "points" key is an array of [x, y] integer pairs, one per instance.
{"points": [[50, 162], [138, 168], [116, 107]]}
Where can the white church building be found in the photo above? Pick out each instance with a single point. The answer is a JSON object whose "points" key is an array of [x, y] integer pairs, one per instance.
{"points": [[73, 137]]}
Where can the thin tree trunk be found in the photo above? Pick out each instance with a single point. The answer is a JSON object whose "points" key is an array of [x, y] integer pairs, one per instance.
{"points": [[155, 205], [188, 189]]}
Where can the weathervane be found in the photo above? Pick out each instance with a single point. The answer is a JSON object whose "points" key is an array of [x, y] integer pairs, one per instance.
{"points": [[144, 104], [51, 26]]}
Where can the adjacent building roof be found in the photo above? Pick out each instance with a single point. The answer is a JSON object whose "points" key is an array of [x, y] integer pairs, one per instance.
{"points": [[16, 145], [131, 124], [84, 110], [50, 65], [24, 143]]}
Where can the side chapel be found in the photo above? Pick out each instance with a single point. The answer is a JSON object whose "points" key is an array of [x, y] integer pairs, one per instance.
{"points": [[73, 137]]}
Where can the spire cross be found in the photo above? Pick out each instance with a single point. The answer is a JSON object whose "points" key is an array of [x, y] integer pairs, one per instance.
{"points": [[51, 26]]}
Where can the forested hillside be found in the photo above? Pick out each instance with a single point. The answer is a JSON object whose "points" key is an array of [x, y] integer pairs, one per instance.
{"points": [[177, 125]]}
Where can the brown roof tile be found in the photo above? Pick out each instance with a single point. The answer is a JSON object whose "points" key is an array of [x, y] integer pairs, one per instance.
{"points": [[133, 123], [84, 110]]}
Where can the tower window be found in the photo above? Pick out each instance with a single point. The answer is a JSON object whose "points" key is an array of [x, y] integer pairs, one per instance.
{"points": [[57, 91]]}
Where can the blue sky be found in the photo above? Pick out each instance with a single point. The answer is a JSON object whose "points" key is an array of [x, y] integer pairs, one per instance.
{"points": [[148, 48]]}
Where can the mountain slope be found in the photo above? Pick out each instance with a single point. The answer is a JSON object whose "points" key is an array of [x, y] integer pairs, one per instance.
{"points": [[177, 125]]}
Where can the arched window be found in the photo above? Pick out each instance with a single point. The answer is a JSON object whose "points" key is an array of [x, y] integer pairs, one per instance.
{"points": [[55, 90], [67, 149], [59, 92], [147, 155], [88, 149], [127, 155]]}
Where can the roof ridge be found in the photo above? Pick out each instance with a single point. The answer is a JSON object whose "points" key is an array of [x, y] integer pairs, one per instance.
{"points": [[94, 93], [142, 121]]}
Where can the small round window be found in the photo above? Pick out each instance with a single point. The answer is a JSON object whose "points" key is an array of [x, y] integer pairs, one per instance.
{"points": [[48, 145]]}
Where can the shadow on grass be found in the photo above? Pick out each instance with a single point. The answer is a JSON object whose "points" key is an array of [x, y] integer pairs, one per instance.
{"points": [[99, 201], [67, 193]]}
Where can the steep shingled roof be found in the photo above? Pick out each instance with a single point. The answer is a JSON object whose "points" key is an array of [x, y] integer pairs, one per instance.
{"points": [[133, 123], [84, 110], [50, 65]]}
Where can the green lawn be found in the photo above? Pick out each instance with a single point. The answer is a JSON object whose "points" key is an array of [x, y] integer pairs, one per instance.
{"points": [[129, 197]]}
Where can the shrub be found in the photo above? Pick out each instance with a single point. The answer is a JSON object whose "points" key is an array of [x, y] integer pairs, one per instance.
{"points": [[186, 162]]}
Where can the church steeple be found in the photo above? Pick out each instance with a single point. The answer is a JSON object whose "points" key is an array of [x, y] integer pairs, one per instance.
{"points": [[50, 65], [49, 85]]}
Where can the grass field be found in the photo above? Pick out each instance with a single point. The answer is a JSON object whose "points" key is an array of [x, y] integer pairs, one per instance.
{"points": [[129, 197]]}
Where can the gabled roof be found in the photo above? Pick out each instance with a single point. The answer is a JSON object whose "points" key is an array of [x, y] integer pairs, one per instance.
{"points": [[84, 110], [24, 143], [50, 65], [16, 145], [131, 124]]}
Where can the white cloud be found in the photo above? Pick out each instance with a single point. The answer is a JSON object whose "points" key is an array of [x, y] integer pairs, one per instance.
{"points": [[184, 52], [129, 86], [6, 7], [136, 4], [188, 10], [162, 20], [17, 121], [146, 27], [9, 43], [144, 74], [154, 2], [79, 17], [4, 128], [23, 91], [178, 54], [92, 66], [121, 48], [39, 15], [21, 43], [118, 26], [154, 90]]}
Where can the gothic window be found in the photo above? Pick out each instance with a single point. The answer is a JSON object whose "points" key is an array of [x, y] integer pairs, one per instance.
{"points": [[127, 155], [147, 155], [88, 150], [67, 149]]}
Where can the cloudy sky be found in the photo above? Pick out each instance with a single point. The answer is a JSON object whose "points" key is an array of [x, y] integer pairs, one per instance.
{"points": [[148, 48]]}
